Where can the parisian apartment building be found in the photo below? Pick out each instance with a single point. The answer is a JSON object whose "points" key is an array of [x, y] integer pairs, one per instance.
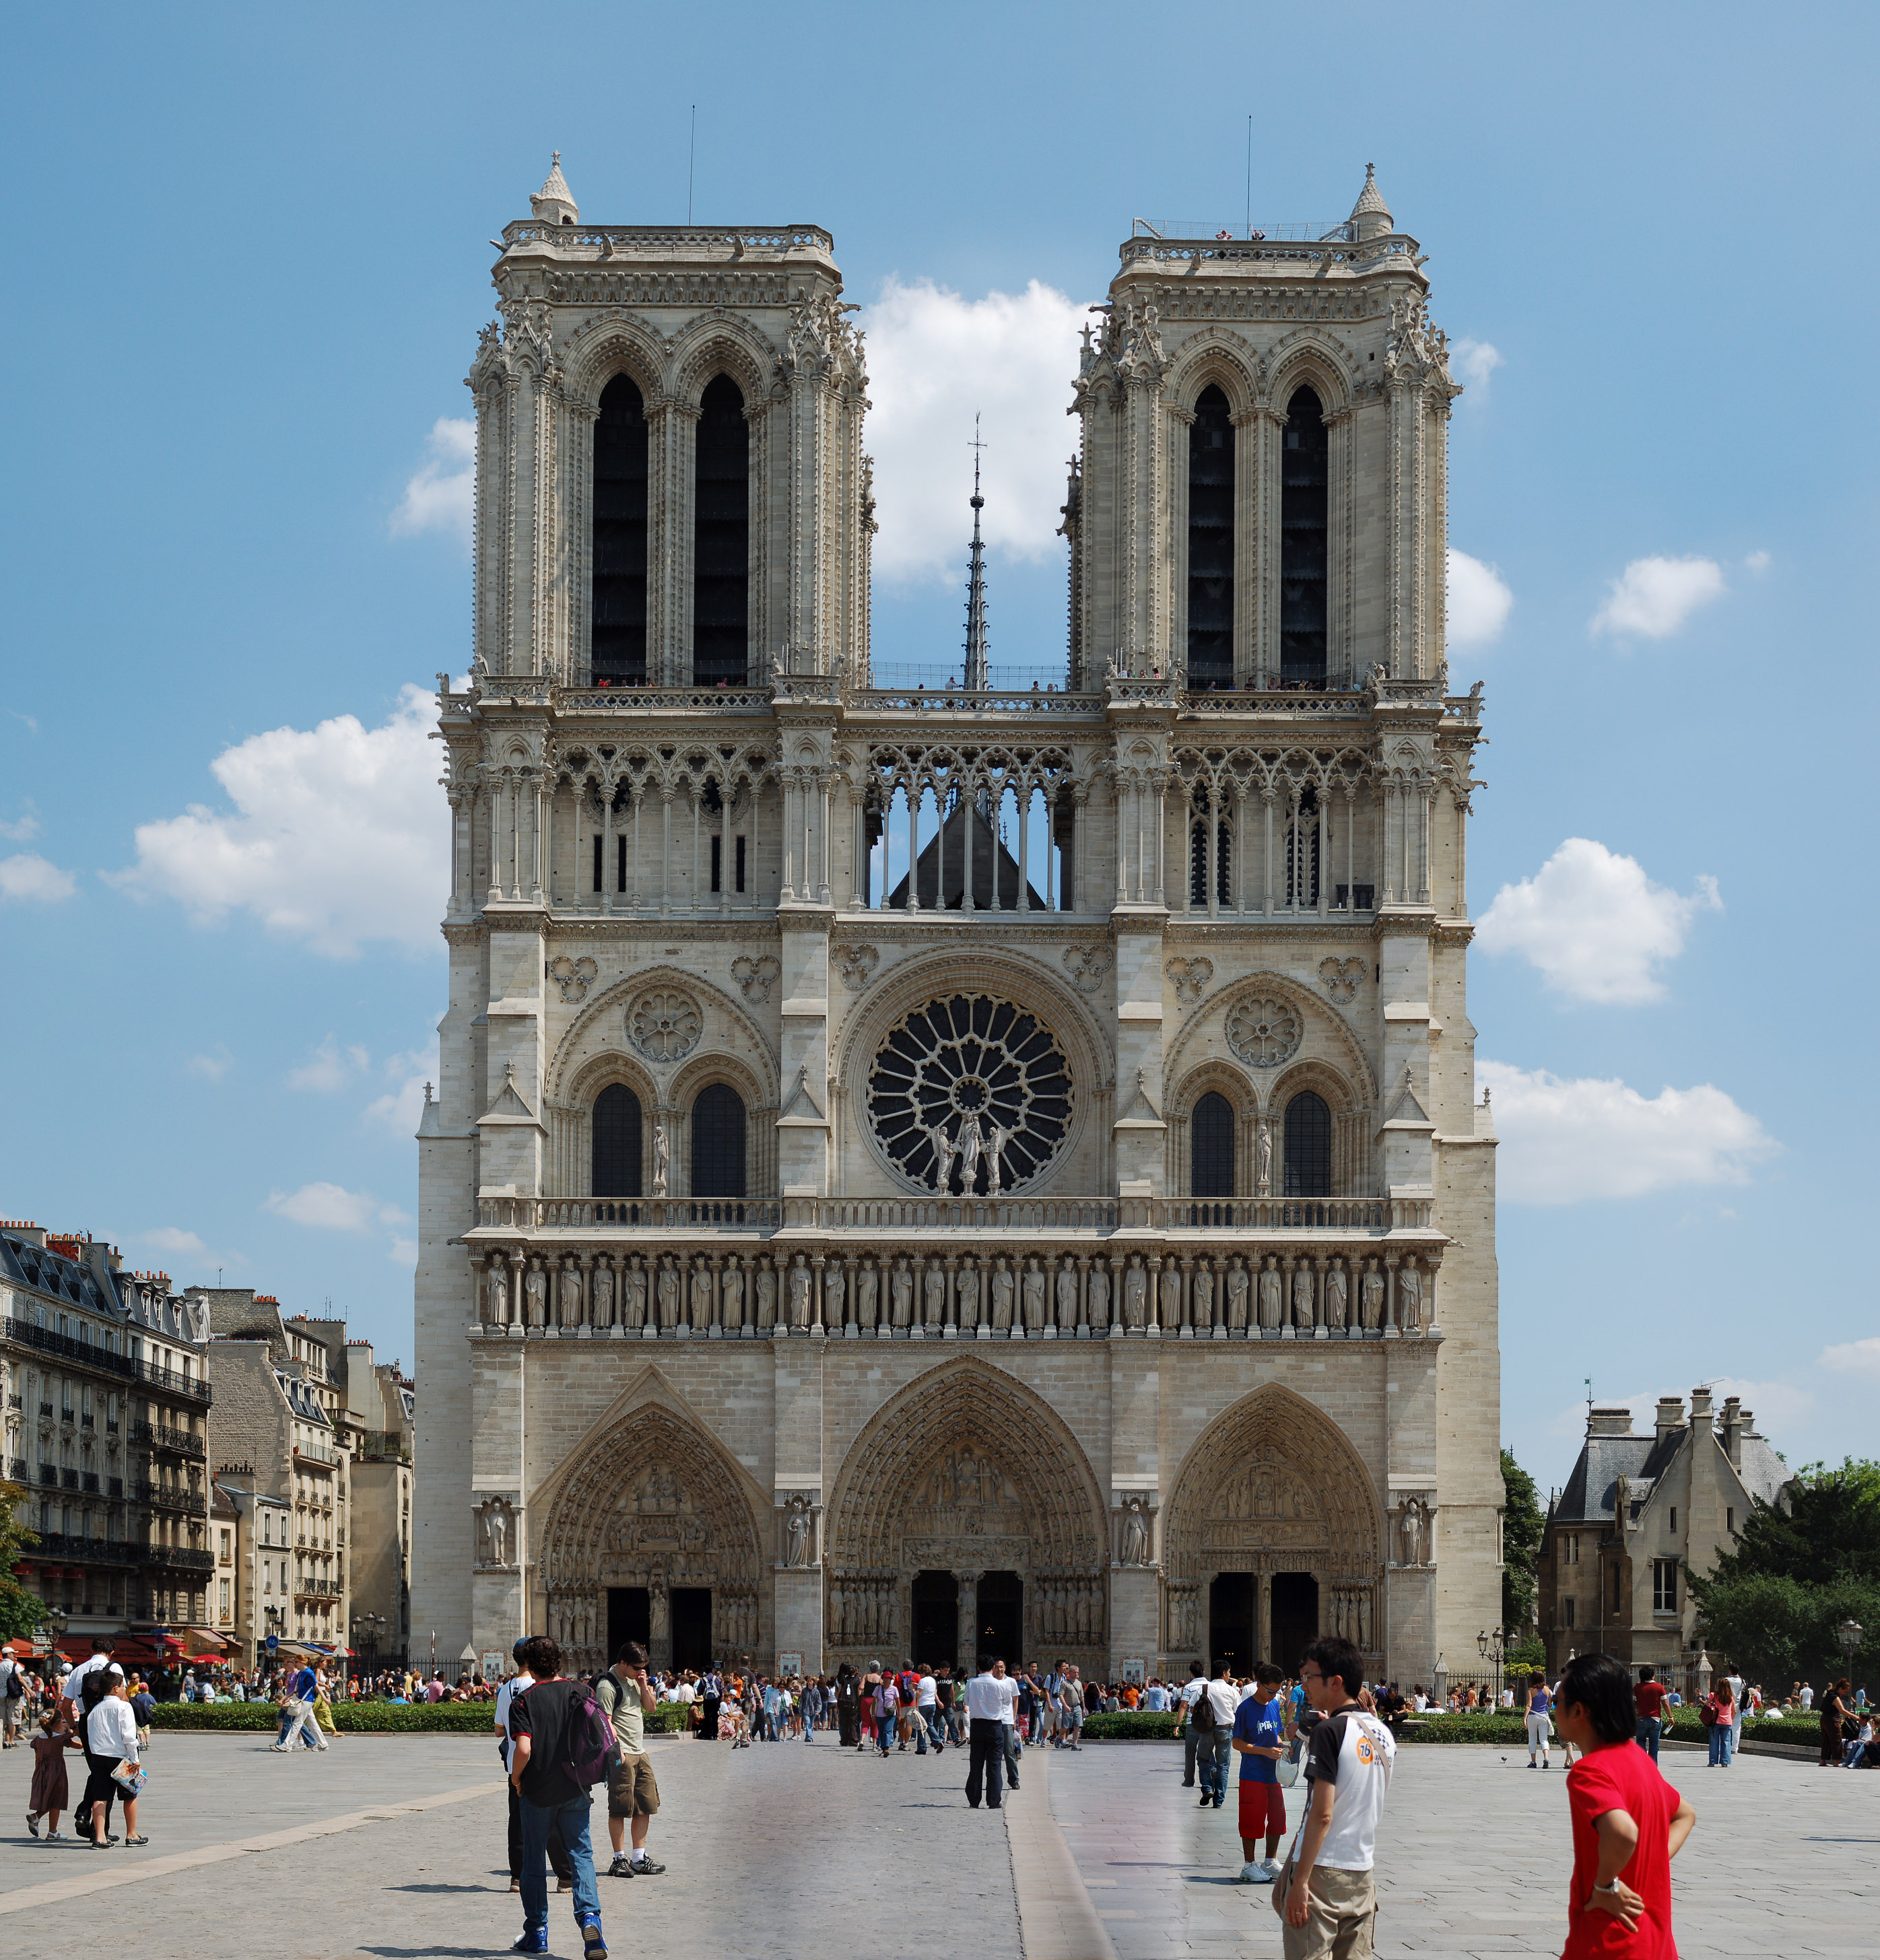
{"points": [[108, 1409]]}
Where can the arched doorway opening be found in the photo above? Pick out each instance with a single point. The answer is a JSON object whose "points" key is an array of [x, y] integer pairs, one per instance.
{"points": [[1002, 1618], [1232, 1623], [1295, 1618], [935, 1619]]}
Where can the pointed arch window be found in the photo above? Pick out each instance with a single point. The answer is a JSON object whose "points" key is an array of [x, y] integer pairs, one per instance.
{"points": [[1304, 478], [717, 1143], [1308, 1147], [1211, 1147], [1211, 648], [1301, 852], [1197, 856], [721, 609], [618, 642], [616, 1143]]}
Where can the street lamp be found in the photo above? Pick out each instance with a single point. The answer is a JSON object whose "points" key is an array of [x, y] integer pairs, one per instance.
{"points": [[1488, 1644], [1850, 1633]]}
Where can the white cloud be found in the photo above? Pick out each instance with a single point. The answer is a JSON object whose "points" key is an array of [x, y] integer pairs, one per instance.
{"points": [[330, 1207], [1776, 1405], [402, 1252], [329, 1067], [337, 835], [398, 1110], [1594, 924], [212, 1066], [28, 877], [1654, 597], [172, 1242], [935, 359], [1563, 1141], [441, 495], [1472, 361], [1757, 560], [1853, 1357], [22, 829], [1479, 602]]}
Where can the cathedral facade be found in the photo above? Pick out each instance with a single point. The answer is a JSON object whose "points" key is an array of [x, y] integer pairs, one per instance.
{"points": [[923, 1170]]}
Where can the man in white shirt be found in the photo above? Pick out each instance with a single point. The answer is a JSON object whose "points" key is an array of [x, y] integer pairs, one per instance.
{"points": [[988, 1708], [12, 1700], [71, 1693], [1213, 1713], [1184, 1701]]}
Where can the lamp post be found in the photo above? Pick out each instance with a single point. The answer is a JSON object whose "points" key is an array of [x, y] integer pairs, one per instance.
{"points": [[1489, 1643], [1850, 1632]]}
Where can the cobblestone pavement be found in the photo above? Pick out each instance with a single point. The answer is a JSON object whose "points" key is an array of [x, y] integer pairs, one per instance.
{"points": [[1473, 1856], [392, 1847], [782, 1849]]}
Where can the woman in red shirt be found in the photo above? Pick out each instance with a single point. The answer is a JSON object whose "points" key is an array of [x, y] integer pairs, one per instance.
{"points": [[1628, 1821]]}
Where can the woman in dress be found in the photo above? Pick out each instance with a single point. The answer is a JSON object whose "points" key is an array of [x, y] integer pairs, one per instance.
{"points": [[51, 1792], [1834, 1708]]}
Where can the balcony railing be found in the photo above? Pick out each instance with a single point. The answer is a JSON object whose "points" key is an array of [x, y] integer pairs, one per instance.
{"points": [[318, 1452], [159, 1436], [33, 1335], [98, 1550], [179, 1557], [174, 1383], [318, 1589], [166, 1497], [17, 1469]]}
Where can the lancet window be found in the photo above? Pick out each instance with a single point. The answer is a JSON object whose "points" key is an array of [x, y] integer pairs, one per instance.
{"points": [[1304, 507], [616, 1143], [1211, 648], [1308, 1146], [1211, 1147], [721, 632], [717, 1143], [618, 647]]}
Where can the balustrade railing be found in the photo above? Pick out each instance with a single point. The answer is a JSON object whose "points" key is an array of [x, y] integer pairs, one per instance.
{"points": [[157, 1435]]}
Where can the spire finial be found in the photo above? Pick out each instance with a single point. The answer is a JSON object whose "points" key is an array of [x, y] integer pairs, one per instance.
{"points": [[976, 674]]}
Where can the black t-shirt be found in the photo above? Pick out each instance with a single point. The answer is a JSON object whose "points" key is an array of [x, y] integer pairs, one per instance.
{"points": [[541, 1713]]}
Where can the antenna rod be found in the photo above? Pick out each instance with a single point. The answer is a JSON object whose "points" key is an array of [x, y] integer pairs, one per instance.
{"points": [[1249, 177], [691, 162]]}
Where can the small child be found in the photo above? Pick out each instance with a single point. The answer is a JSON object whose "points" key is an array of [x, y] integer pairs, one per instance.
{"points": [[51, 1794], [142, 1702]]}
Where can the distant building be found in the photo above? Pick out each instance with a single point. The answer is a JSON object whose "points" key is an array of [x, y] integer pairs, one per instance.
{"points": [[1639, 1515], [383, 1402], [106, 1406]]}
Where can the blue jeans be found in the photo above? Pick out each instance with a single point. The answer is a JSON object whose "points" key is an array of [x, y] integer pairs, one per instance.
{"points": [[568, 1822], [935, 1727], [1210, 1758], [1647, 1732], [1720, 1741]]}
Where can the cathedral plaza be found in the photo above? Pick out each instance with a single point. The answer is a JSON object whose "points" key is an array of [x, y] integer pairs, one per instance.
{"points": [[919, 1169]]}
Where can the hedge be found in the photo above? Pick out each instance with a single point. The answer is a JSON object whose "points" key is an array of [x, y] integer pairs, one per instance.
{"points": [[450, 1718], [1129, 1725]]}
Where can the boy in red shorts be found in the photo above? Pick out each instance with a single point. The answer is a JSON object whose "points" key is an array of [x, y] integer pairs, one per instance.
{"points": [[1628, 1821], [1260, 1742]]}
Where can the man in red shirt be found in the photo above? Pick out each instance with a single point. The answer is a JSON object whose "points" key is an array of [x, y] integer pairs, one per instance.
{"points": [[1628, 1821], [1648, 1704]]}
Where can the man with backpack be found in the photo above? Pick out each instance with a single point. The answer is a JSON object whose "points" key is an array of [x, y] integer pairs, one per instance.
{"points": [[625, 1696], [1184, 1723], [562, 1744]]}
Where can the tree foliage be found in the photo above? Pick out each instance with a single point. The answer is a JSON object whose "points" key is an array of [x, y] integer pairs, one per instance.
{"points": [[19, 1611], [1779, 1630], [1827, 1528], [1523, 1525]]}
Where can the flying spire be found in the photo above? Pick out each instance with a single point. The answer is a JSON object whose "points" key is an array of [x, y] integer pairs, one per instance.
{"points": [[976, 671]]}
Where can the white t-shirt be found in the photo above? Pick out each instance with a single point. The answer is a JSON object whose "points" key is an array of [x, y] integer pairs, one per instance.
{"points": [[1354, 1752], [506, 1698], [984, 1701], [685, 1692], [1008, 1700], [72, 1687], [1191, 1693], [923, 1696], [1224, 1698]]}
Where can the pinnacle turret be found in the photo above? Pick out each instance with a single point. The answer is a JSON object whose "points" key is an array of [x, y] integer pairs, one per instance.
{"points": [[976, 668], [554, 203], [1371, 216]]}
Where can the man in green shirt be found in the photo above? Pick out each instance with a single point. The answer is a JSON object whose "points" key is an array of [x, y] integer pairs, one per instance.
{"points": [[633, 1796]]}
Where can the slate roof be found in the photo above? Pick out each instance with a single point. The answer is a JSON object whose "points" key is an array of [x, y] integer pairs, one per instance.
{"points": [[42, 1270]]}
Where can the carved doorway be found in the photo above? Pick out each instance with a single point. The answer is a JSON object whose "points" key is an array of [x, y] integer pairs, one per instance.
{"points": [[1002, 1618], [935, 1618], [1232, 1623], [1295, 1617], [629, 1616], [691, 1626]]}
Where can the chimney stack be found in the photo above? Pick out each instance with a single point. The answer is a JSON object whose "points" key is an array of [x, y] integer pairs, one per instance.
{"points": [[1733, 1426], [1613, 1419], [1671, 1415]]}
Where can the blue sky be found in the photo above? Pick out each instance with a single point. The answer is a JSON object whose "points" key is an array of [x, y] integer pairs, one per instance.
{"points": [[248, 270]]}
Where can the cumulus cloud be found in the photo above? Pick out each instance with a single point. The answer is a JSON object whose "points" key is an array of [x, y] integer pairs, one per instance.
{"points": [[1654, 597], [1479, 602], [1594, 924], [329, 1067], [32, 879], [212, 1065], [1776, 1404], [1860, 1358], [22, 829], [337, 836], [936, 358], [441, 496], [1562, 1142], [1472, 362], [402, 1252], [331, 1207], [1757, 560], [398, 1110], [173, 1242]]}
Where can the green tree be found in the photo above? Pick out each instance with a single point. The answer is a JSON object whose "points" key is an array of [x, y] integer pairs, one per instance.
{"points": [[1523, 1525], [1827, 1528], [1779, 1630], [19, 1611]]}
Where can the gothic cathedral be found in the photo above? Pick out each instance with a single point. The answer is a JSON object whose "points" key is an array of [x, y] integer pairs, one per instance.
{"points": [[924, 1170]]}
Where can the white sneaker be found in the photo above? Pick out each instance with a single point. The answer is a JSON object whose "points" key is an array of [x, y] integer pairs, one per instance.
{"points": [[1252, 1874], [1272, 1867]]}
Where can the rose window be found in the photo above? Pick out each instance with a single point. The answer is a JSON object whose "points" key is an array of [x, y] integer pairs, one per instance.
{"points": [[665, 1024], [1263, 1033], [970, 1094]]}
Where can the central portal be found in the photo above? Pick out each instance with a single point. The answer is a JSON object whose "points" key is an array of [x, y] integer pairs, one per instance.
{"points": [[935, 1619], [1002, 1618], [1295, 1617], [629, 1616], [1232, 1639], [691, 1627]]}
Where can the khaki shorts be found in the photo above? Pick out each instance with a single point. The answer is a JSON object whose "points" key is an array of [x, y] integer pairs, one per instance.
{"points": [[631, 1791], [1341, 1920]]}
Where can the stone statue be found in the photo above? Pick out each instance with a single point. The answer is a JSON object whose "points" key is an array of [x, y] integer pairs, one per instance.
{"points": [[604, 1293], [1410, 1528], [1203, 1296], [934, 1294], [867, 1282], [662, 1151], [995, 1153], [570, 1295], [1170, 1291], [731, 1295], [1336, 1296], [1067, 1298], [536, 1287], [1302, 1295], [669, 1293], [659, 1626], [901, 1292], [1263, 1159], [492, 1516], [1135, 1295], [701, 1291], [970, 1141], [633, 1295], [1135, 1532], [1032, 1285], [1236, 1296], [1270, 1293], [942, 1145], [1373, 1307], [496, 1295], [797, 1532], [832, 1295], [766, 1295], [1001, 1296], [800, 1293], [1409, 1295], [1097, 1302], [966, 1294]]}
